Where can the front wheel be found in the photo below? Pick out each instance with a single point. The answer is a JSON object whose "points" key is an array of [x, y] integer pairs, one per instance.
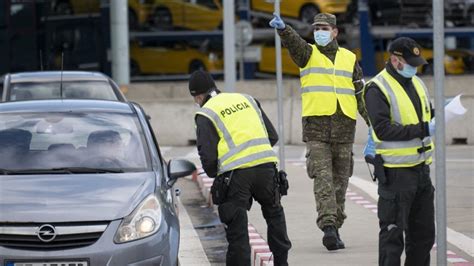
{"points": [[132, 20], [307, 13], [196, 65], [63, 8], [428, 69], [134, 68], [162, 19]]}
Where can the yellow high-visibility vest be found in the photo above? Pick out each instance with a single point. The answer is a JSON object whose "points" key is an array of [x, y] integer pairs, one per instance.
{"points": [[243, 136], [324, 83], [402, 111]]}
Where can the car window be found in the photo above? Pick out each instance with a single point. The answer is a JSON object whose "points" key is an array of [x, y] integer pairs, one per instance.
{"points": [[70, 90], [207, 3], [58, 140]]}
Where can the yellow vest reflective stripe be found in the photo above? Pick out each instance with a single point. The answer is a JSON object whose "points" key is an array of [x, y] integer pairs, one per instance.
{"points": [[402, 111], [324, 84], [243, 137]]}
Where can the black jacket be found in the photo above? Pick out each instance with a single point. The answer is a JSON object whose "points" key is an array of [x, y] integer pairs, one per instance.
{"points": [[207, 140], [378, 110]]}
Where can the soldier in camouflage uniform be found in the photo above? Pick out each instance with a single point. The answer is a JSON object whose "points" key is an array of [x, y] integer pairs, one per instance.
{"points": [[329, 137]]}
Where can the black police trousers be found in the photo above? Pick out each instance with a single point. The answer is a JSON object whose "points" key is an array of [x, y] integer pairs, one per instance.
{"points": [[406, 204], [247, 184]]}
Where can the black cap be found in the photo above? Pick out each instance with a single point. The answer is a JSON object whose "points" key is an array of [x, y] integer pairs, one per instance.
{"points": [[200, 82], [408, 49]]}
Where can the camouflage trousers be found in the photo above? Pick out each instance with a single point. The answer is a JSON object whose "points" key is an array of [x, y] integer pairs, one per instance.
{"points": [[329, 165]]}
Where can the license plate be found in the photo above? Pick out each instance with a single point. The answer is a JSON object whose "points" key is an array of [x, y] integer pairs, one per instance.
{"points": [[55, 263]]}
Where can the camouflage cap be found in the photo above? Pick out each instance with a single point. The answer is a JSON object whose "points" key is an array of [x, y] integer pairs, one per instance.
{"points": [[325, 19]]}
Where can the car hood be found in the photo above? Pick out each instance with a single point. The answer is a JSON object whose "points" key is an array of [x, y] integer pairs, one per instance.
{"points": [[73, 197]]}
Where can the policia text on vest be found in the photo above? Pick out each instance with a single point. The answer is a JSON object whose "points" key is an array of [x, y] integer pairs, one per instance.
{"points": [[241, 144], [234, 108]]}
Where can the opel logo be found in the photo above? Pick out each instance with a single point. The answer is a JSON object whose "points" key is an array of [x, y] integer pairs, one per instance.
{"points": [[46, 233]]}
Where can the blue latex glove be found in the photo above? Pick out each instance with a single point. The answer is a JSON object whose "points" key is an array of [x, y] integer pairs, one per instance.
{"points": [[277, 22], [369, 149], [432, 127]]}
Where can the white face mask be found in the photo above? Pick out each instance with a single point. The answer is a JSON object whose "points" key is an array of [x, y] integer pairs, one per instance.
{"points": [[322, 37]]}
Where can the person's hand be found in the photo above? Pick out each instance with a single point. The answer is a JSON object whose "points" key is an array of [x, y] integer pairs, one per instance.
{"points": [[369, 149], [277, 22], [432, 127]]}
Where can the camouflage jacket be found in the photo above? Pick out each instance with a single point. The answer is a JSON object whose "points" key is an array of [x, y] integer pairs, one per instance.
{"points": [[335, 128]]}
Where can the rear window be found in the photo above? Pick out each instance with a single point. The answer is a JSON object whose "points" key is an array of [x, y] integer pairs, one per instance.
{"points": [[47, 141], [100, 90]]}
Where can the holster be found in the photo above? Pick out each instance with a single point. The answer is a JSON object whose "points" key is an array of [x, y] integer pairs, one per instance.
{"points": [[220, 187], [280, 186], [283, 182], [379, 171]]}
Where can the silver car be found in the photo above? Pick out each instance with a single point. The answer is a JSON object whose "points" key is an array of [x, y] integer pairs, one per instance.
{"points": [[41, 85], [82, 183]]}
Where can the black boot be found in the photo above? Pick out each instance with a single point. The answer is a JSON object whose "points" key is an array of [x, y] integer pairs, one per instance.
{"points": [[340, 244], [330, 238]]}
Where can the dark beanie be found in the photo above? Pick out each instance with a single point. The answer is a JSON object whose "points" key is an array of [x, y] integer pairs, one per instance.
{"points": [[200, 82]]}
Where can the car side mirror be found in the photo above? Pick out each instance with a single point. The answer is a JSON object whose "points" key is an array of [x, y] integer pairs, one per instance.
{"points": [[179, 168]]}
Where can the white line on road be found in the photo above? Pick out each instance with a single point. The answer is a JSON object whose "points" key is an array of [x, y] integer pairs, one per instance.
{"points": [[191, 251], [457, 239]]}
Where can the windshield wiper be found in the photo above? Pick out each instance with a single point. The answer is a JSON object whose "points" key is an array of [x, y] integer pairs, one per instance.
{"points": [[87, 170], [62, 170], [4, 171]]}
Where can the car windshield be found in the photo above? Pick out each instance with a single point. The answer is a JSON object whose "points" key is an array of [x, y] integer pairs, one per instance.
{"points": [[106, 142], [24, 91]]}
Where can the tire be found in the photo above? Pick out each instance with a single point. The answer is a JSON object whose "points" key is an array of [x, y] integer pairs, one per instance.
{"points": [[307, 13], [428, 69], [162, 19], [134, 68], [132, 20], [196, 65], [63, 8]]}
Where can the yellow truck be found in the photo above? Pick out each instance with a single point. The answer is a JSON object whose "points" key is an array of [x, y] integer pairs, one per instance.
{"points": [[188, 14], [304, 10], [267, 61], [175, 59], [138, 10]]}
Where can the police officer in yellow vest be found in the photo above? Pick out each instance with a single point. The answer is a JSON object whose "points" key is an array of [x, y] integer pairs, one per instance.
{"points": [[399, 110], [331, 86], [234, 140]]}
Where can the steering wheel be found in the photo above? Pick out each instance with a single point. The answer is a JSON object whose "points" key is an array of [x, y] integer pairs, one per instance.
{"points": [[102, 162]]}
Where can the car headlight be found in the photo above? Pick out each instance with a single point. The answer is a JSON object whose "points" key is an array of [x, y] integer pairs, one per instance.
{"points": [[448, 58], [144, 221], [213, 57]]}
